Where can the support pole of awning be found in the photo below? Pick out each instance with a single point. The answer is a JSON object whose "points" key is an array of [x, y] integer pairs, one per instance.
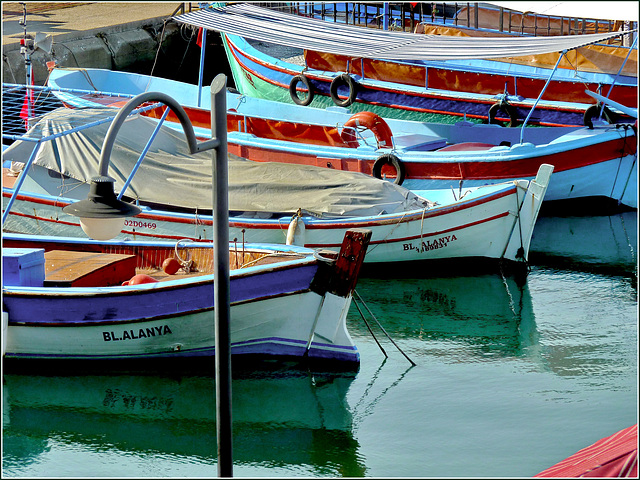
{"points": [[385, 16], [201, 73], [635, 41], [143, 153], [562, 54]]}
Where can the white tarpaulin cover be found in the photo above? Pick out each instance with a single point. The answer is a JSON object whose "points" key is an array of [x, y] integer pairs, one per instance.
{"points": [[271, 26], [170, 175]]}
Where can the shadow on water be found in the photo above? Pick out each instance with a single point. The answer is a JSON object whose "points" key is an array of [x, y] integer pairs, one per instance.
{"points": [[285, 418], [492, 313]]}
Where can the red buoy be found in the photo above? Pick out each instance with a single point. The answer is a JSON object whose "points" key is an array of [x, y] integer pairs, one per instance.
{"points": [[170, 266], [138, 279]]}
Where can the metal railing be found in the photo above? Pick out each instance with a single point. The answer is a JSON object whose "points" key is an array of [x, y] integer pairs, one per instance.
{"points": [[406, 16]]}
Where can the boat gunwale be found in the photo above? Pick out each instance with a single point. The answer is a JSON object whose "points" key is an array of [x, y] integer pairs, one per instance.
{"points": [[24, 293], [497, 191]]}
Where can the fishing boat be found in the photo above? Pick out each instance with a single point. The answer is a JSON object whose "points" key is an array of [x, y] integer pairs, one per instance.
{"points": [[71, 299], [597, 163], [602, 68], [119, 302], [268, 202], [404, 75]]}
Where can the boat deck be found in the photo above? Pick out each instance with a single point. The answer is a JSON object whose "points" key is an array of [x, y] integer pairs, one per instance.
{"points": [[78, 268], [65, 268], [87, 269], [72, 268]]}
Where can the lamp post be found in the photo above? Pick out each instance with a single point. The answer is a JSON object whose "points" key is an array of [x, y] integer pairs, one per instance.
{"points": [[102, 217]]}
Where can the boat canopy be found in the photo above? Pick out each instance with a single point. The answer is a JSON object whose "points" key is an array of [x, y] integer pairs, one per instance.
{"points": [[170, 175], [271, 26]]}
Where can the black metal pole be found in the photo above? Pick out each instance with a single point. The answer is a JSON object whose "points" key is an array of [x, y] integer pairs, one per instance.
{"points": [[220, 183], [221, 273]]}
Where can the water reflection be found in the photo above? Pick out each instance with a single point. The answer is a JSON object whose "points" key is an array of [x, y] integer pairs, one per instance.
{"points": [[292, 418], [493, 314], [606, 244], [489, 314]]}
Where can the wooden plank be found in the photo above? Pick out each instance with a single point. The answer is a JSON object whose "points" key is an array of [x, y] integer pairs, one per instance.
{"points": [[87, 269], [347, 267]]}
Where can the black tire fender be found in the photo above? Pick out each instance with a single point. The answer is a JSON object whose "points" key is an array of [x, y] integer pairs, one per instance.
{"points": [[293, 92], [343, 80], [594, 112], [389, 159], [506, 108]]}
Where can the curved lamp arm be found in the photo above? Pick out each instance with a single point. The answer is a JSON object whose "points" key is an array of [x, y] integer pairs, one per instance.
{"points": [[135, 102], [102, 213]]}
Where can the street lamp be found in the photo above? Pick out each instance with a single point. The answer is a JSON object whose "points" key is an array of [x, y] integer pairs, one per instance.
{"points": [[102, 217], [102, 214]]}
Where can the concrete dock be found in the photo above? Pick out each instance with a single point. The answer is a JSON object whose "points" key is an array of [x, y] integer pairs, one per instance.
{"points": [[111, 35]]}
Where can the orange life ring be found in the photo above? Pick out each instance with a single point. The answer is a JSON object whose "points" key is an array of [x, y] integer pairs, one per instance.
{"points": [[367, 120]]}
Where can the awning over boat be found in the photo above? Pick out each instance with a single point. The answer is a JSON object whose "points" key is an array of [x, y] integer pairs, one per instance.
{"points": [[271, 26], [170, 175]]}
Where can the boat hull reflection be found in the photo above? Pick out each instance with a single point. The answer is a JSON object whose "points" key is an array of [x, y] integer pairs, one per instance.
{"points": [[274, 414]]}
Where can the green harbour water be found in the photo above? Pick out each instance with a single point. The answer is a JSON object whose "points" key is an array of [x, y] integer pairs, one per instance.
{"points": [[510, 378]]}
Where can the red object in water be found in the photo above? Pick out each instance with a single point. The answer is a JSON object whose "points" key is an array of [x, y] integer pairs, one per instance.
{"points": [[170, 266], [138, 279], [613, 456]]}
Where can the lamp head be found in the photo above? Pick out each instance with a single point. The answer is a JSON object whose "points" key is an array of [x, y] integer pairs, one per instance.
{"points": [[101, 213]]}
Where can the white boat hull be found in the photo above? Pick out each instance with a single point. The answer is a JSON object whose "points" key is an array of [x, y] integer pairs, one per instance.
{"points": [[494, 222]]}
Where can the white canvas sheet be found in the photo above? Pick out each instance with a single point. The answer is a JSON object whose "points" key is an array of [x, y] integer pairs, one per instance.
{"points": [[170, 175]]}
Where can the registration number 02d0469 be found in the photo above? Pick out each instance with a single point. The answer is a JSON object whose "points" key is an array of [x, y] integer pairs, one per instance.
{"points": [[139, 224]]}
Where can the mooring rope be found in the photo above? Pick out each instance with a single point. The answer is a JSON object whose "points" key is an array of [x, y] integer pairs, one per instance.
{"points": [[381, 327]]}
